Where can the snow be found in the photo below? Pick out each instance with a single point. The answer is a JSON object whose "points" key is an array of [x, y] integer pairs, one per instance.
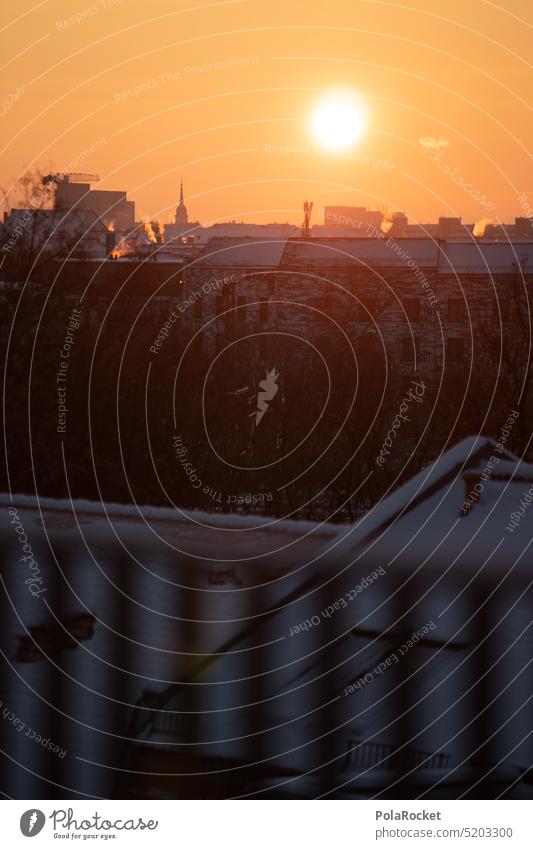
{"points": [[487, 257], [250, 253], [446, 257], [452, 462], [385, 253], [146, 573], [84, 508], [509, 469]]}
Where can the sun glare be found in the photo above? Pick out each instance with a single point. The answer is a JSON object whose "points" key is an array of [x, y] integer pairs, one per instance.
{"points": [[338, 123]]}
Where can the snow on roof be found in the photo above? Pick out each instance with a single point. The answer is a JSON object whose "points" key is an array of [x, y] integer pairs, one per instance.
{"points": [[448, 257], [421, 524], [115, 510], [448, 466], [339, 541], [162, 531], [375, 252], [244, 251], [436, 541], [508, 469], [246, 645], [487, 257], [414, 533]]}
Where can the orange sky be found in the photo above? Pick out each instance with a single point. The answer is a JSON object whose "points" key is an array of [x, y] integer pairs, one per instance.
{"points": [[452, 71]]}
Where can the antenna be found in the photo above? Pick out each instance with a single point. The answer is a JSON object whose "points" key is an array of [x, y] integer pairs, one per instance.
{"points": [[306, 226]]}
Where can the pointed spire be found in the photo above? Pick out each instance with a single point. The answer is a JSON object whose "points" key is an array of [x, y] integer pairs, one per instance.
{"points": [[181, 210]]}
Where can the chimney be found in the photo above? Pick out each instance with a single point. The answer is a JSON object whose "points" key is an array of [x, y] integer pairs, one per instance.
{"points": [[110, 242]]}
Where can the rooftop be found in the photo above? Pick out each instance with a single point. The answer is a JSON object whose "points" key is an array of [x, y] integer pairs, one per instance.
{"points": [[446, 257]]}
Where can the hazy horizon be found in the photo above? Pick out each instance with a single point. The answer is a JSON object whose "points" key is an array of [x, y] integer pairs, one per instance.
{"points": [[222, 95]]}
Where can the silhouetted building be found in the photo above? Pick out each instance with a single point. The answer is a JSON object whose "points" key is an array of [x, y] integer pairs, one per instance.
{"points": [[113, 208], [182, 216]]}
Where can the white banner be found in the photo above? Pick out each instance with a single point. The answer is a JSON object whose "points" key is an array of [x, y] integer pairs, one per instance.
{"points": [[266, 824]]}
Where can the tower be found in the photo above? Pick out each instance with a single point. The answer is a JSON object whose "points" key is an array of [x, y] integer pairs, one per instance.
{"points": [[181, 210], [306, 226]]}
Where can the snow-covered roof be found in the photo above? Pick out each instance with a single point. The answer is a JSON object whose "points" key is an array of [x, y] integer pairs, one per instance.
{"points": [[487, 257], [507, 470], [419, 557], [414, 496], [220, 536], [244, 251], [421, 562], [375, 252], [439, 485], [409, 254]]}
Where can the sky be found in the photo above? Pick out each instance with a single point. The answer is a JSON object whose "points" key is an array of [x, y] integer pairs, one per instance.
{"points": [[222, 95]]}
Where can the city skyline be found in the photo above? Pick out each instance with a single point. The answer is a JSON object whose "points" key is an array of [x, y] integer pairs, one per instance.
{"points": [[224, 95], [318, 217]]}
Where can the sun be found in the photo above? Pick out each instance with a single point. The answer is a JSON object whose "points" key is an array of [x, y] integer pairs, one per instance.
{"points": [[338, 122]]}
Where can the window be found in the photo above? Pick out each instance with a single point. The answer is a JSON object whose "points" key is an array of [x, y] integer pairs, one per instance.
{"points": [[456, 310], [263, 312], [456, 349], [412, 308]]}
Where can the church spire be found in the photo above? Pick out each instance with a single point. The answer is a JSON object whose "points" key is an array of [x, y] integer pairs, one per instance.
{"points": [[182, 216]]}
